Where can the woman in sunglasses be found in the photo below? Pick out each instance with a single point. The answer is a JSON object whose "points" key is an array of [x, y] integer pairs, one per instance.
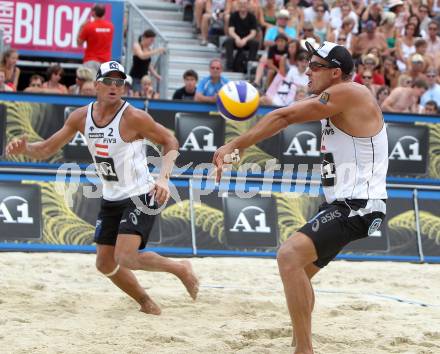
{"points": [[114, 131], [354, 150]]}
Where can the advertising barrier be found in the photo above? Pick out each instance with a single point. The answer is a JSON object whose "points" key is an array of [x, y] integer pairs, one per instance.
{"points": [[49, 28]]}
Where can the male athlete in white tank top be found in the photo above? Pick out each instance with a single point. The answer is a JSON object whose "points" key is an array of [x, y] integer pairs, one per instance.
{"points": [[354, 151], [114, 131]]}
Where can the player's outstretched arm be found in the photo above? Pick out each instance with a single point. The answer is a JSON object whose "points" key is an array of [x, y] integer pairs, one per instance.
{"points": [[329, 103], [46, 148]]}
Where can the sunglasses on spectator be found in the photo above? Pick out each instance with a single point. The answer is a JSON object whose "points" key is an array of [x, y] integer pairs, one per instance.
{"points": [[432, 28], [315, 66], [308, 29], [431, 75], [366, 77], [108, 81], [215, 67], [342, 39]]}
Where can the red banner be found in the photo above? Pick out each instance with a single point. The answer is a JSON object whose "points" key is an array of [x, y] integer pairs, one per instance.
{"points": [[46, 25]]}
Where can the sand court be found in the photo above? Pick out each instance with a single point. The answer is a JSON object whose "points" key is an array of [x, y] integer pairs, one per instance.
{"points": [[59, 303]]}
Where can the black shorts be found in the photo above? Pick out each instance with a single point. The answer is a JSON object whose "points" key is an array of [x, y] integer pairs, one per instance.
{"points": [[341, 222], [123, 217]]}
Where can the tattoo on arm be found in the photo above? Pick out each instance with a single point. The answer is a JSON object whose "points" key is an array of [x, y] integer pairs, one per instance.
{"points": [[324, 97]]}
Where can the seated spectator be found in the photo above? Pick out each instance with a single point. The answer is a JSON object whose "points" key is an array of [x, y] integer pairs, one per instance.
{"points": [[369, 39], [404, 81], [405, 46], [88, 89], [272, 63], [199, 9], [372, 13], [296, 15], [3, 86], [367, 81], [209, 86], [188, 91], [54, 74], [343, 12], [389, 31], [36, 81], [433, 41], [423, 15], [310, 12], [83, 74], [128, 87], [371, 63], [9, 66], [297, 73], [381, 94], [281, 27], [431, 107], [214, 13], [405, 99], [267, 15], [391, 72], [344, 34], [142, 54], [290, 59], [421, 46], [320, 25], [416, 67], [147, 89], [308, 33], [242, 33], [301, 93], [433, 91]]}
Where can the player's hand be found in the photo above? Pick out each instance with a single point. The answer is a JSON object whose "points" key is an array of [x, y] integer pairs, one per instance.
{"points": [[161, 191], [16, 146], [227, 154]]}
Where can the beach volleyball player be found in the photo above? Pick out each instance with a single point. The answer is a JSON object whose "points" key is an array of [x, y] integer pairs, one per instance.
{"points": [[114, 131], [354, 152]]}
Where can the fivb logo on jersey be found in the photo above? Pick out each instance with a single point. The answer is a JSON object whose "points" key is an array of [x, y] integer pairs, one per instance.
{"points": [[408, 147], [250, 223], [199, 136], [20, 211]]}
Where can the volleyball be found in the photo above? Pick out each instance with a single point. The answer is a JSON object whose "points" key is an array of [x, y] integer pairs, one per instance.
{"points": [[238, 100]]}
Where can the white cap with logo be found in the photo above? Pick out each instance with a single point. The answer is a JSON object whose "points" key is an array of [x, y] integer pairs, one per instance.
{"points": [[109, 67]]}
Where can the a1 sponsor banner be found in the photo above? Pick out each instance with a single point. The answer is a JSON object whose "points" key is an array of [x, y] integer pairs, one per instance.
{"points": [[408, 146], [50, 27], [20, 211], [250, 223], [429, 220], [199, 136], [300, 144]]}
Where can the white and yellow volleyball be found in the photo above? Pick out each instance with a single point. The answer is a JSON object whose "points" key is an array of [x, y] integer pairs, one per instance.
{"points": [[238, 100]]}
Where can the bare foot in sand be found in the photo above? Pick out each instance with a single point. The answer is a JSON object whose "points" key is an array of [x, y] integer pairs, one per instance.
{"points": [[149, 306], [189, 279]]}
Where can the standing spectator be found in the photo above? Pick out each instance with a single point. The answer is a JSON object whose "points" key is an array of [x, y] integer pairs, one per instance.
{"points": [[209, 86], [188, 91], [54, 74], [433, 41], [142, 53], [83, 74], [373, 12], [433, 92], [4, 87], [98, 35], [9, 65], [242, 32], [405, 99], [369, 39]]}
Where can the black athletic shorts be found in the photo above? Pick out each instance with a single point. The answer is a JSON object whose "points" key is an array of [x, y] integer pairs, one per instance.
{"points": [[341, 222], [123, 217]]}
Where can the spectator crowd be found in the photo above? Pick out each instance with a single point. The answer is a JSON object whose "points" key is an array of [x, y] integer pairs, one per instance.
{"points": [[395, 45]]}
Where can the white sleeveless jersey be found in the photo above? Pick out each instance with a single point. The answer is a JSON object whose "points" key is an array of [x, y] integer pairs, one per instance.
{"points": [[352, 167], [121, 166]]}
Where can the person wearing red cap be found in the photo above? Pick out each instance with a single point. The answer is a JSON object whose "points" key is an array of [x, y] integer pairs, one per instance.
{"points": [[354, 151]]}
